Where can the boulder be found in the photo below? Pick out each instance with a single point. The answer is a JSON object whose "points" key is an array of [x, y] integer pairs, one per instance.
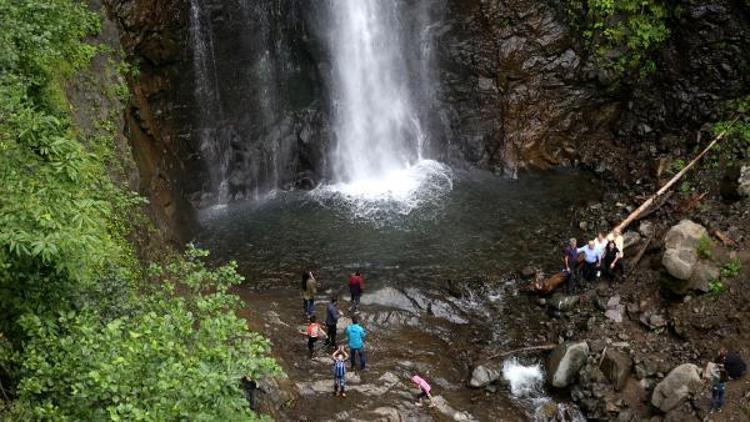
{"points": [[678, 386], [616, 366], [485, 374], [743, 187], [629, 239], [704, 272], [565, 362], [562, 302], [681, 256], [646, 228]]}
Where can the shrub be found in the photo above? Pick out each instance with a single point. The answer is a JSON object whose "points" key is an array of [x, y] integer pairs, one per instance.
{"points": [[731, 269], [622, 34], [178, 357]]}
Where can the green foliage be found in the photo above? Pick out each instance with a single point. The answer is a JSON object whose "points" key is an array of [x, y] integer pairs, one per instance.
{"points": [[731, 269], [55, 214], [676, 166], [178, 357], [705, 249], [622, 34], [736, 144], [716, 287]]}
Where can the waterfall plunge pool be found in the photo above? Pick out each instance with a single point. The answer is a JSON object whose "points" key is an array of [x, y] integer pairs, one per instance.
{"points": [[473, 223]]}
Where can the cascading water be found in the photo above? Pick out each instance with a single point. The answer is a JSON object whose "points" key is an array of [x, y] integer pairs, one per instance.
{"points": [[207, 96], [379, 140]]}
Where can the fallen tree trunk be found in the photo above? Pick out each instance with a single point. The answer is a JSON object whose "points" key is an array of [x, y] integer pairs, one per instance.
{"points": [[541, 348], [640, 210], [549, 284]]}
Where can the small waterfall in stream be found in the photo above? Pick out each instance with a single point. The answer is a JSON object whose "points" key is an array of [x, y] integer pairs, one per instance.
{"points": [[379, 149]]}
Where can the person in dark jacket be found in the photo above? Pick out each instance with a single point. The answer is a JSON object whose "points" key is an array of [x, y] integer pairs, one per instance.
{"points": [[611, 263], [249, 387], [570, 260], [332, 319], [356, 287]]}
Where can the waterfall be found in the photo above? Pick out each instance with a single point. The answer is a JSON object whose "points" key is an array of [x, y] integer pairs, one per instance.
{"points": [[379, 146], [213, 146]]}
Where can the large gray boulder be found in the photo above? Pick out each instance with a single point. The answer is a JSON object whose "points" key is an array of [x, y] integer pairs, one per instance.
{"points": [[681, 259], [680, 255], [565, 362], [678, 386], [485, 374]]}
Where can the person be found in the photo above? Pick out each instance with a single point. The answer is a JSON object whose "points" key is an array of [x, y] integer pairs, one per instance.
{"points": [[424, 390], [339, 371], [616, 236], [356, 340], [600, 243], [592, 260], [332, 319], [249, 387], [570, 259], [356, 287], [611, 263], [313, 332], [717, 375], [309, 289]]}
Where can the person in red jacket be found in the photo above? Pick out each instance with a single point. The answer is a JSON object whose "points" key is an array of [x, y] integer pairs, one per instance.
{"points": [[356, 287]]}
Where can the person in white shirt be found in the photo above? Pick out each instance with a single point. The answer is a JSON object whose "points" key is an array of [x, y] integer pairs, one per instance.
{"points": [[600, 244], [592, 260]]}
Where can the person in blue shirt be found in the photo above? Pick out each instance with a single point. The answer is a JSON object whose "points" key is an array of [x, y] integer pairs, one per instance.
{"points": [[592, 260], [356, 336]]}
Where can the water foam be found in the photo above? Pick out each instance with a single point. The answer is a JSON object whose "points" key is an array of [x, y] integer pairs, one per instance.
{"points": [[398, 192], [525, 381]]}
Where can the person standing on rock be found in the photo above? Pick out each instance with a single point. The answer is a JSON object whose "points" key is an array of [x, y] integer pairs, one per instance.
{"points": [[592, 260], [332, 319], [570, 259], [313, 332], [356, 287], [600, 243], [309, 289], [356, 340], [718, 377], [424, 390], [339, 371], [611, 262]]}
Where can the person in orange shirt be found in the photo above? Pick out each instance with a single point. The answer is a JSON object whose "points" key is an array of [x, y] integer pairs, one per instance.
{"points": [[313, 332]]}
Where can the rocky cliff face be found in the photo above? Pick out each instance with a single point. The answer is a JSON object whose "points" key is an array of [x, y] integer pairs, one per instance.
{"points": [[152, 33], [515, 89]]}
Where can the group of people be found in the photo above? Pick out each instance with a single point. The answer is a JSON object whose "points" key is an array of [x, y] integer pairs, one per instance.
{"points": [[355, 334], [600, 257]]}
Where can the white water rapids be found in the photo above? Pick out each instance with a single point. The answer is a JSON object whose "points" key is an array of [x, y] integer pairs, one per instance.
{"points": [[377, 160]]}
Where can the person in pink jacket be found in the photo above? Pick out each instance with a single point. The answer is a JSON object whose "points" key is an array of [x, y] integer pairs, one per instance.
{"points": [[424, 390]]}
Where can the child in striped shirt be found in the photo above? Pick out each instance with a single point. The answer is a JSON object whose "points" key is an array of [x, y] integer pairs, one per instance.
{"points": [[339, 371]]}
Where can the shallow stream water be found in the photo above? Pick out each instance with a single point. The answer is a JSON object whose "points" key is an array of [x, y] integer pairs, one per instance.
{"points": [[477, 227]]}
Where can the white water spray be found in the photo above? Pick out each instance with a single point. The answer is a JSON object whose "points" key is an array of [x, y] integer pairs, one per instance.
{"points": [[379, 145]]}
